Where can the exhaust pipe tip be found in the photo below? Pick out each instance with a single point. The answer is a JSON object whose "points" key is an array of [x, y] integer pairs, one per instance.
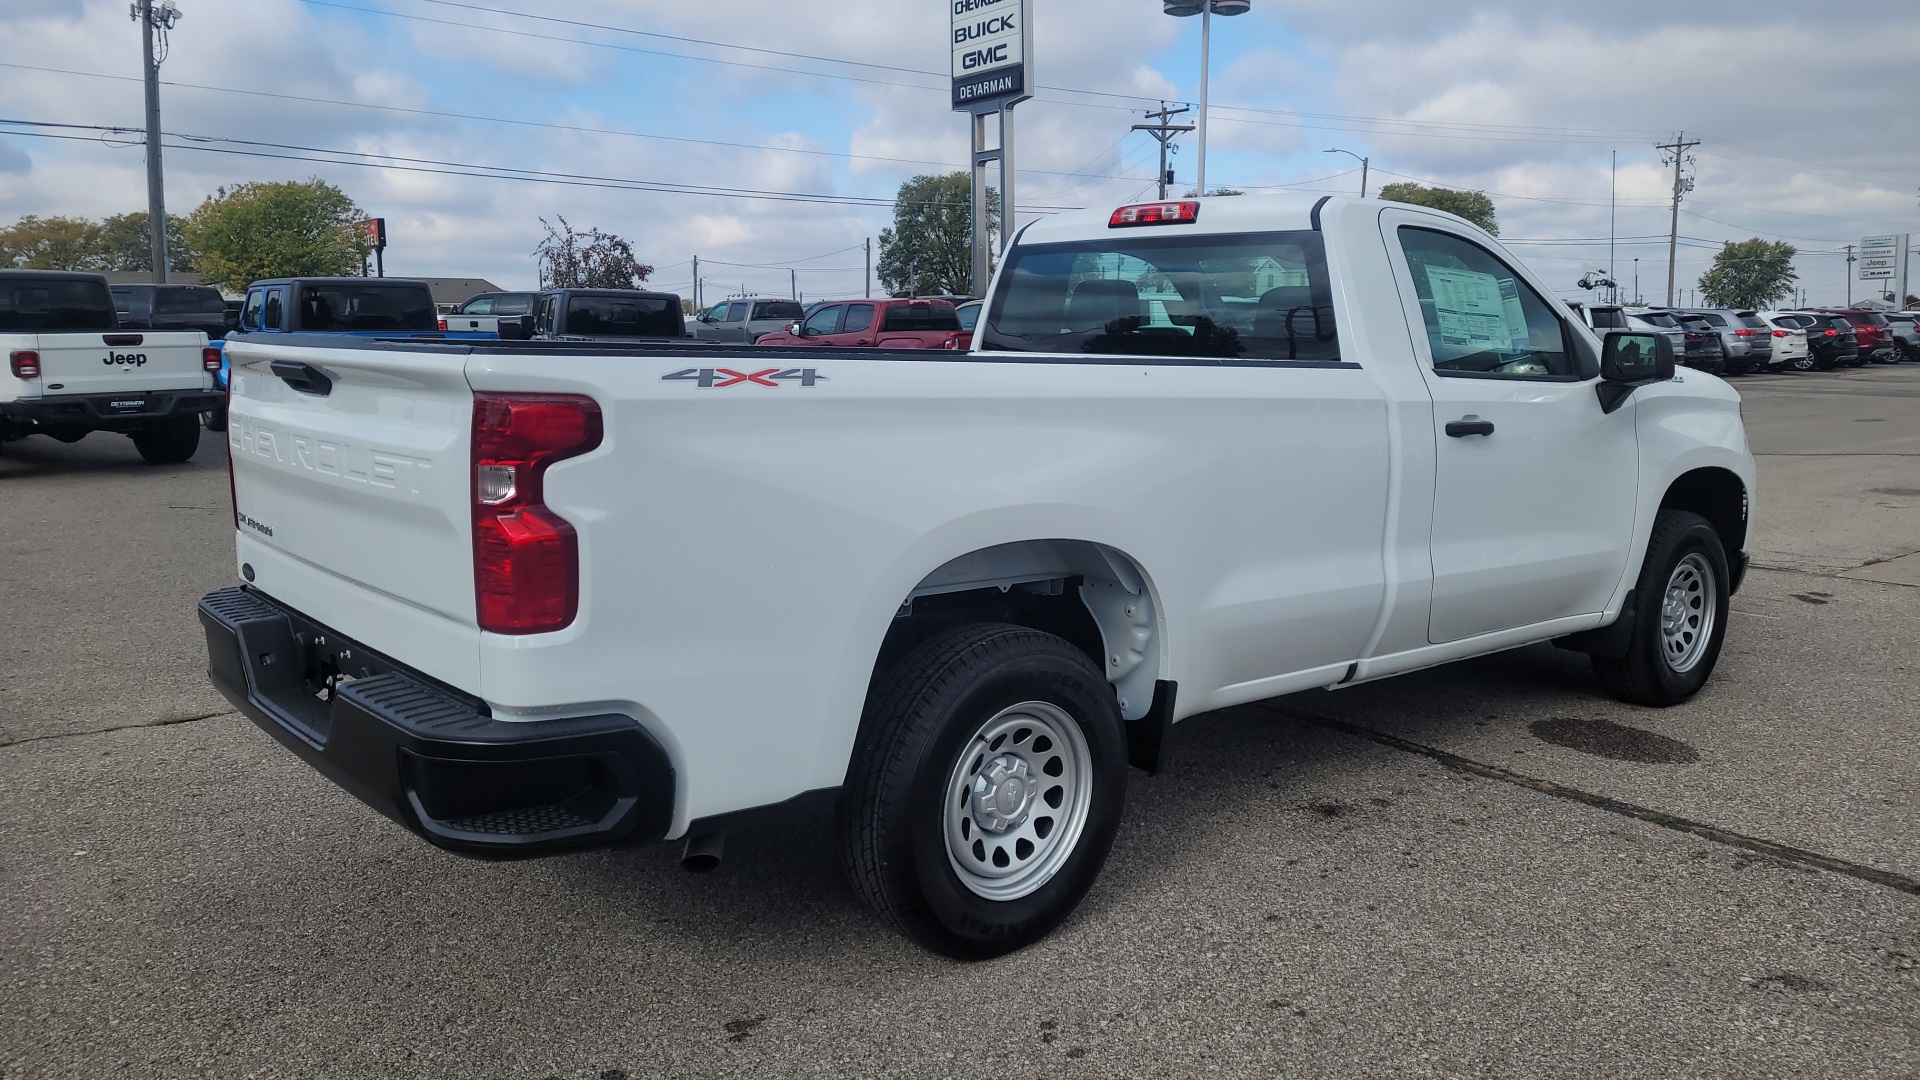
{"points": [[702, 854]]}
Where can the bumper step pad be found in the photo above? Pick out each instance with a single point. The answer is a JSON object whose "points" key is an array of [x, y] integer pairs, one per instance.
{"points": [[428, 756]]}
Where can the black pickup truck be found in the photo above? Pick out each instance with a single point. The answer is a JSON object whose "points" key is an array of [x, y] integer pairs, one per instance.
{"points": [[599, 315]]}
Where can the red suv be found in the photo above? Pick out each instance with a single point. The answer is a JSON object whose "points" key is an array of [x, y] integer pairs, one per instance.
{"points": [[879, 324], [1875, 333]]}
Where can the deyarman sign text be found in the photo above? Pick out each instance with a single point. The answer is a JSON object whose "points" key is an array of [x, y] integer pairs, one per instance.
{"points": [[989, 46]]}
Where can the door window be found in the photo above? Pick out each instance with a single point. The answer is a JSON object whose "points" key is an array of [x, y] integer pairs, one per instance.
{"points": [[737, 312], [859, 317], [826, 320], [1482, 320], [482, 306], [250, 315], [270, 313]]}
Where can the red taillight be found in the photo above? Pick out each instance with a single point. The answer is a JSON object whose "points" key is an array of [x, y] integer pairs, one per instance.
{"points": [[1833, 333], [1745, 333], [25, 364], [210, 359], [1779, 333], [443, 325], [1163, 213], [526, 558]]}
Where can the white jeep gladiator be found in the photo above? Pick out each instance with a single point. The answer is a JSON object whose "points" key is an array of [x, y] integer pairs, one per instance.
{"points": [[528, 596], [71, 370]]}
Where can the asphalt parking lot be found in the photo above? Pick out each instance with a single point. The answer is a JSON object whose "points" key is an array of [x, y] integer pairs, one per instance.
{"points": [[1478, 871]]}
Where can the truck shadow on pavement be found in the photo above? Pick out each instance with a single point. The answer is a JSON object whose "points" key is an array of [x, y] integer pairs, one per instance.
{"points": [[100, 453], [780, 881]]}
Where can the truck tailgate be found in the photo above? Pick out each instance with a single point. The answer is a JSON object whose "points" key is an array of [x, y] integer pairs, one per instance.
{"points": [[105, 363], [353, 463]]}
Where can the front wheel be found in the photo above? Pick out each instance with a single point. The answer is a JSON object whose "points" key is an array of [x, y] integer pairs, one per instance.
{"points": [[1680, 615], [985, 790]]}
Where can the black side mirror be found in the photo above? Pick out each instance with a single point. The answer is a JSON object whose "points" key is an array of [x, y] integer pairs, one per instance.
{"points": [[1631, 359], [516, 327]]}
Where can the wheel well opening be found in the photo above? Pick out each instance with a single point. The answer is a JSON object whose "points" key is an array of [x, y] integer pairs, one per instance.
{"points": [[1718, 496], [1052, 606]]}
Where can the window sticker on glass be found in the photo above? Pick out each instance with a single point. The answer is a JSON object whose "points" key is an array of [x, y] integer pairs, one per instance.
{"points": [[1477, 311]]}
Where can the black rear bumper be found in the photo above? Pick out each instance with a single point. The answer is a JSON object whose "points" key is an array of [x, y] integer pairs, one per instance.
{"points": [[428, 756], [112, 412]]}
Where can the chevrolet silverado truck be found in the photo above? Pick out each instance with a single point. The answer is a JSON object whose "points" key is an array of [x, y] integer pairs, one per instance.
{"points": [[530, 596], [72, 370]]}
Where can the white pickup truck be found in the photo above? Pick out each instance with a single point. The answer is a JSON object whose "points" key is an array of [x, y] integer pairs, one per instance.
{"points": [[71, 370], [528, 596]]}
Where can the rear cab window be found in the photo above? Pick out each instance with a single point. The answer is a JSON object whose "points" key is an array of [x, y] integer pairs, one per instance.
{"points": [[188, 300], [783, 310], [1258, 296], [56, 304], [911, 318], [623, 316], [364, 308]]}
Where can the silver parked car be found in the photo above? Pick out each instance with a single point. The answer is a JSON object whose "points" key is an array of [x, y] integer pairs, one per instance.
{"points": [[1747, 337], [743, 320]]}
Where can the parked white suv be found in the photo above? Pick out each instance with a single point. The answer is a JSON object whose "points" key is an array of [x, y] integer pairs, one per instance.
{"points": [[529, 596]]}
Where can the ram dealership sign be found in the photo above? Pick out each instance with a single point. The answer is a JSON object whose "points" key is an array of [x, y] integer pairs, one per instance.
{"points": [[991, 51]]}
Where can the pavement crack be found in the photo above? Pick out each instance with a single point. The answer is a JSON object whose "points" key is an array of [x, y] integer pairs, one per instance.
{"points": [[167, 721], [1887, 878]]}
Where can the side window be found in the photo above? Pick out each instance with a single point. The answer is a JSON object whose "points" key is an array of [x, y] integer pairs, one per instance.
{"points": [[479, 307], [826, 320], [270, 312], [737, 312], [1481, 318], [122, 300], [543, 324], [717, 313], [859, 317], [250, 315]]}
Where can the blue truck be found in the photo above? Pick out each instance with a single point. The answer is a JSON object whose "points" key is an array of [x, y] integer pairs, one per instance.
{"points": [[350, 306]]}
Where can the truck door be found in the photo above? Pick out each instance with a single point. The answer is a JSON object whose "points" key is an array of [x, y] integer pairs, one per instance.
{"points": [[1535, 491]]}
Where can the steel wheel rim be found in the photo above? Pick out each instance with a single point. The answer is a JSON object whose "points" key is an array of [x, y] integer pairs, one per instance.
{"points": [[1687, 613], [1017, 800]]}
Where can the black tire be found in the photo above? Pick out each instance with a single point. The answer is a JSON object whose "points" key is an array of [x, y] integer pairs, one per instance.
{"points": [[914, 737], [169, 442], [1646, 675], [215, 419]]}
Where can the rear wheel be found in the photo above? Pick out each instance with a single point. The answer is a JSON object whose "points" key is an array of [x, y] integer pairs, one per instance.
{"points": [[985, 790], [1680, 617], [170, 441]]}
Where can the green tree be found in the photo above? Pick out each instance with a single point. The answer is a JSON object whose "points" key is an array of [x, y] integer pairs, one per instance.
{"points": [[587, 260], [1472, 205], [54, 243], [286, 229], [1749, 274], [127, 245], [930, 247]]}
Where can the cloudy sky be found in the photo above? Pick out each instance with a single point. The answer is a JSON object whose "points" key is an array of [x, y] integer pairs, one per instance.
{"points": [[767, 134]]}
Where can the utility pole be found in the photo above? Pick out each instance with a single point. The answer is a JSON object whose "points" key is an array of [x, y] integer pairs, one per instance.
{"points": [[1851, 259], [696, 283], [1681, 185], [869, 246], [793, 282], [152, 18], [1163, 133]]}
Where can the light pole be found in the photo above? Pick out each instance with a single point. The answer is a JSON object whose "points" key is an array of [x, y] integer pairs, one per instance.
{"points": [[1206, 9], [1363, 167]]}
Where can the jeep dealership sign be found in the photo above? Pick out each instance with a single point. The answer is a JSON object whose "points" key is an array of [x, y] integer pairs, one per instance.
{"points": [[991, 53]]}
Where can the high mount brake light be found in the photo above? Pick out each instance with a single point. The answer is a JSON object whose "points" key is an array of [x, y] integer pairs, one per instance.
{"points": [[25, 364], [526, 558], [1164, 213], [210, 360]]}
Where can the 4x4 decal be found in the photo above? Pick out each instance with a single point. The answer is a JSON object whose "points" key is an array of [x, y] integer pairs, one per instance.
{"points": [[724, 377]]}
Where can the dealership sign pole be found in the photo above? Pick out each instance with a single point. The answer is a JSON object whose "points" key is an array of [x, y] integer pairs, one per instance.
{"points": [[992, 72]]}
